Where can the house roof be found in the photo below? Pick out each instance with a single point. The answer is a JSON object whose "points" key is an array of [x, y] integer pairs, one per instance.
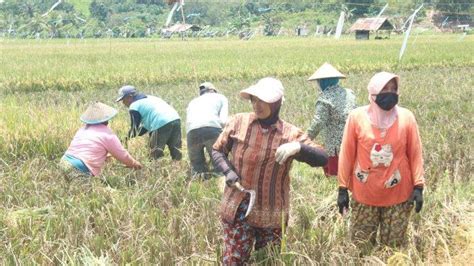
{"points": [[182, 28], [372, 24]]}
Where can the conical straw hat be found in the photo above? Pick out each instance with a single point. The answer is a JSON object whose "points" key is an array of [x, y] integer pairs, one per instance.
{"points": [[97, 113], [326, 71]]}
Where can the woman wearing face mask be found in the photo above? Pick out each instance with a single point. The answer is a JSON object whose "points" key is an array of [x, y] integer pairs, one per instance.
{"points": [[262, 148], [381, 164]]}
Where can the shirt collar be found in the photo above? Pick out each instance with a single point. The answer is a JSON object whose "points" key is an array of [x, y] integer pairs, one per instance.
{"points": [[278, 125]]}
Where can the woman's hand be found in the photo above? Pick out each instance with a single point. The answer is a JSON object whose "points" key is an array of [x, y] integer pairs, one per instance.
{"points": [[231, 177], [136, 165], [417, 198], [286, 150], [343, 200]]}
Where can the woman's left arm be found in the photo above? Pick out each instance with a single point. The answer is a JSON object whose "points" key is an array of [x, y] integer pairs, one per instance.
{"points": [[414, 153], [302, 149], [310, 152], [312, 155]]}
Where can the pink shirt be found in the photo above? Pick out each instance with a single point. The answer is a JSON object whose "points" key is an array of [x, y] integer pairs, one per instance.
{"points": [[379, 168], [92, 143]]}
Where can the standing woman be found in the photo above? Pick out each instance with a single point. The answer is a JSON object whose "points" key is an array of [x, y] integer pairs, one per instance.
{"points": [[261, 148], [381, 163], [332, 108], [92, 143]]}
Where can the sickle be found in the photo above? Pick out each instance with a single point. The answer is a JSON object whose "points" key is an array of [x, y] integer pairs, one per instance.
{"points": [[252, 193]]}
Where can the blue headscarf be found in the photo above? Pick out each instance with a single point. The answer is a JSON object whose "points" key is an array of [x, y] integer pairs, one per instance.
{"points": [[324, 84]]}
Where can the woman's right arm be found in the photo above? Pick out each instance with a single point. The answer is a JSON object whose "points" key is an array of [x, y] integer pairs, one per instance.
{"points": [[347, 153], [115, 148], [319, 120], [220, 150]]}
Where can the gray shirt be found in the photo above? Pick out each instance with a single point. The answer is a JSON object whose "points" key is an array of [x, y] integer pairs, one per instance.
{"points": [[207, 110]]}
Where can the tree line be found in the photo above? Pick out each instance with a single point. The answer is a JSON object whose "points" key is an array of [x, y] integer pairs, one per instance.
{"points": [[142, 18]]}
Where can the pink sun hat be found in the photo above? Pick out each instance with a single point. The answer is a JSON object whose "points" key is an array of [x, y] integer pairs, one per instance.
{"points": [[379, 80]]}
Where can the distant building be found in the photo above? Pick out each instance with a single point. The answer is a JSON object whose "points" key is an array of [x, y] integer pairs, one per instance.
{"points": [[302, 31], [179, 28], [363, 26], [463, 27]]}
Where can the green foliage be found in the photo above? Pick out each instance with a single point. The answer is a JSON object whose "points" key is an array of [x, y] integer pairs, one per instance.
{"points": [[272, 25], [99, 10], [82, 6], [360, 7], [144, 18], [459, 10]]}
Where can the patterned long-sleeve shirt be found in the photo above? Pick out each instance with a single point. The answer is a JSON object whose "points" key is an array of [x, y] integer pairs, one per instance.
{"points": [[332, 109], [251, 151]]}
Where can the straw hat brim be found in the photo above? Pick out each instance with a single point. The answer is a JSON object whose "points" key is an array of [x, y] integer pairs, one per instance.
{"points": [[97, 113], [326, 71]]}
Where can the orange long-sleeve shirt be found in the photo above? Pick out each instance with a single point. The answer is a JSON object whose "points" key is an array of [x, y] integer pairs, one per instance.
{"points": [[380, 169]]}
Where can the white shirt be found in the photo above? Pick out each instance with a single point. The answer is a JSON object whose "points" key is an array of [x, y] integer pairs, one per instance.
{"points": [[207, 110]]}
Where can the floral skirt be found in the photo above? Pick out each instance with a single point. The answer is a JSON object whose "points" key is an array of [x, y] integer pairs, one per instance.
{"points": [[392, 222], [240, 237]]}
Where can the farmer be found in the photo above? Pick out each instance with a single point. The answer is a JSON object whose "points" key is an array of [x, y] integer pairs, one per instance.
{"points": [[262, 148], [150, 114], [332, 108], [205, 117], [381, 164], [92, 143]]}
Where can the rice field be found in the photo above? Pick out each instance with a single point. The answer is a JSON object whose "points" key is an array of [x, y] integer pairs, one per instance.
{"points": [[157, 214]]}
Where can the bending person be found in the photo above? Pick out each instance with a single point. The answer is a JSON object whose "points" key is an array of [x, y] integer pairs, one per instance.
{"points": [[152, 115], [92, 143], [205, 117]]}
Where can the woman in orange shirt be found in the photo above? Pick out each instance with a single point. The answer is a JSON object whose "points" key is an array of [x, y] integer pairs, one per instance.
{"points": [[381, 163]]}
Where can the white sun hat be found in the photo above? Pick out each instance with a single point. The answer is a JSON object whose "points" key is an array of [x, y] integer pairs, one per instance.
{"points": [[267, 89], [97, 113], [326, 71]]}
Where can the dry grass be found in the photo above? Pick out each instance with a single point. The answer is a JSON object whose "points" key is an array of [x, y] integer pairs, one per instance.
{"points": [[157, 215]]}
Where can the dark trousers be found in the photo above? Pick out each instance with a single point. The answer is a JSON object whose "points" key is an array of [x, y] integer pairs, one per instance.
{"points": [[197, 140], [170, 135]]}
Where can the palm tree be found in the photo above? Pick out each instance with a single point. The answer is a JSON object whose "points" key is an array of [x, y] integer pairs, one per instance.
{"points": [[349, 13], [37, 25]]}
